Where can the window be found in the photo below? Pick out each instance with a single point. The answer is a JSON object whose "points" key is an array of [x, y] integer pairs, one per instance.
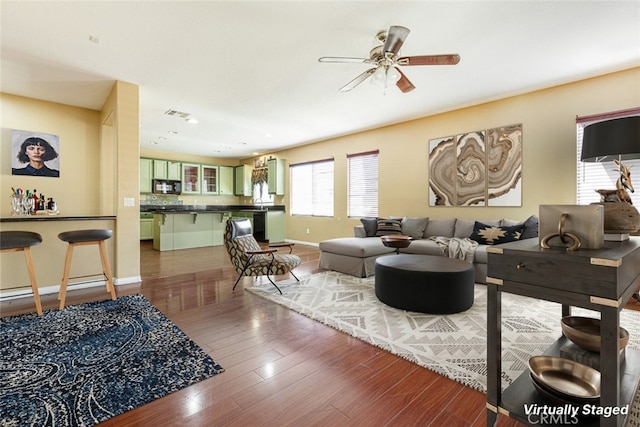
{"points": [[312, 188], [363, 184], [592, 176]]}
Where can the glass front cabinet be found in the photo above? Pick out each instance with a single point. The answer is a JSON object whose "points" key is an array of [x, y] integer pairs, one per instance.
{"points": [[210, 178], [191, 178]]}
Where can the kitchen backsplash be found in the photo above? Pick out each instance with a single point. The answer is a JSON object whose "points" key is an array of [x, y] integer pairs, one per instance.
{"points": [[161, 199]]}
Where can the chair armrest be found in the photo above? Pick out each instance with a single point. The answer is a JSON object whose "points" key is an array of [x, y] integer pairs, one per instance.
{"points": [[262, 252], [283, 245]]}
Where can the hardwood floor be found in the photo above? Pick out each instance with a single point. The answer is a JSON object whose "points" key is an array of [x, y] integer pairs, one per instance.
{"points": [[281, 367]]}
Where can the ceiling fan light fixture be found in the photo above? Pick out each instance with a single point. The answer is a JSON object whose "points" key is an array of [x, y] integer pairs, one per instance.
{"points": [[393, 75]]}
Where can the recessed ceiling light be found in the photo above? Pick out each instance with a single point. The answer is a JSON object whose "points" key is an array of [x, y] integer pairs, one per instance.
{"points": [[153, 142], [192, 120], [267, 135], [173, 132], [94, 39], [162, 137]]}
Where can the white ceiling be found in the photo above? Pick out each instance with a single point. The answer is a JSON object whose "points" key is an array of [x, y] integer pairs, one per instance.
{"points": [[249, 71]]}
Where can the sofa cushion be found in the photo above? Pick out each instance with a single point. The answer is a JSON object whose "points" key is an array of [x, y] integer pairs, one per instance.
{"points": [[464, 227], [370, 226], [440, 227], [389, 226], [355, 246], [530, 226], [414, 227], [492, 235]]}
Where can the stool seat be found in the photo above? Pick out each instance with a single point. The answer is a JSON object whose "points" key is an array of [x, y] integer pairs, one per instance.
{"points": [[19, 239], [78, 236], [82, 238]]}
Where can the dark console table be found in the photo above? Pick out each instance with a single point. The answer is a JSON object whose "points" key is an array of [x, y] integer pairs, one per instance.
{"points": [[598, 279]]}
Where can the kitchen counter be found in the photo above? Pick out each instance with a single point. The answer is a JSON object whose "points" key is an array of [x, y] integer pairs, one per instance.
{"points": [[208, 208]]}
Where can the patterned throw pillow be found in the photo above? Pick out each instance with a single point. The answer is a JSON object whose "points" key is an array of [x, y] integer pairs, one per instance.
{"points": [[493, 235], [389, 226]]}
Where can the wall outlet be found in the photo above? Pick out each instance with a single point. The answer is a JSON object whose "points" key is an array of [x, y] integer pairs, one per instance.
{"points": [[129, 201], [308, 231]]}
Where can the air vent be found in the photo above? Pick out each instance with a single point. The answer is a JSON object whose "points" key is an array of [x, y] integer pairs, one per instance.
{"points": [[177, 114]]}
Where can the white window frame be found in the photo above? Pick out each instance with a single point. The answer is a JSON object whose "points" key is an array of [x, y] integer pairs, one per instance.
{"points": [[362, 184], [592, 176], [311, 188]]}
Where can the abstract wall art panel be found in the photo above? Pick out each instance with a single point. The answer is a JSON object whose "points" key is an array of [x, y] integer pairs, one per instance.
{"points": [[480, 168]]}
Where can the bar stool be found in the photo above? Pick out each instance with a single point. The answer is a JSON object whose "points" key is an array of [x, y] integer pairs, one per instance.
{"points": [[16, 241], [81, 238]]}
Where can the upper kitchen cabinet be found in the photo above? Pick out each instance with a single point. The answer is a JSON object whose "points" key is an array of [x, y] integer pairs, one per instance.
{"points": [[159, 169], [174, 170], [146, 174], [210, 179], [275, 177], [226, 180], [191, 178], [243, 185]]}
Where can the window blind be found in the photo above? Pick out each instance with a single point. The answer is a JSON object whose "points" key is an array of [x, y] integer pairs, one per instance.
{"points": [[362, 184], [592, 176], [312, 188]]}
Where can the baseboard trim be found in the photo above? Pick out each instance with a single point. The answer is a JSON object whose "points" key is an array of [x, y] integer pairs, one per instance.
{"points": [[48, 290], [301, 242]]}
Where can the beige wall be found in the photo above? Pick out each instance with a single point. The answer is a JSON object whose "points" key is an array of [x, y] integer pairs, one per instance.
{"points": [[77, 190], [549, 170]]}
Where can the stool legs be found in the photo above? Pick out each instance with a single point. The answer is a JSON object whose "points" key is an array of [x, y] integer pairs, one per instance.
{"points": [[106, 269], [62, 295], [32, 277]]}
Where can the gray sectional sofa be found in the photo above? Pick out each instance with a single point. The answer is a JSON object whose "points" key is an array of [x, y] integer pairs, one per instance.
{"points": [[357, 255]]}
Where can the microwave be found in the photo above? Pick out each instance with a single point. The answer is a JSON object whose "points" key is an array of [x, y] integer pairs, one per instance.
{"points": [[166, 186]]}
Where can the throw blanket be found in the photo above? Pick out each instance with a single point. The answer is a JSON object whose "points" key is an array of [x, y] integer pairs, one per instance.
{"points": [[456, 247]]}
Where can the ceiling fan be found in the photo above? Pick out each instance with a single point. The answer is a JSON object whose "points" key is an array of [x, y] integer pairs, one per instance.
{"points": [[385, 60]]}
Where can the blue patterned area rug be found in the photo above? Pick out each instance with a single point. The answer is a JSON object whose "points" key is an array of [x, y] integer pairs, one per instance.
{"points": [[91, 362], [452, 345]]}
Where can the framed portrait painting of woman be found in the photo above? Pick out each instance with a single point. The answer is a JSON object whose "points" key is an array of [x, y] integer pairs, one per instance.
{"points": [[35, 154]]}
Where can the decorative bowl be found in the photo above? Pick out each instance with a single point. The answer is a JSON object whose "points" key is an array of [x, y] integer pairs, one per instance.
{"points": [[566, 378], [585, 332]]}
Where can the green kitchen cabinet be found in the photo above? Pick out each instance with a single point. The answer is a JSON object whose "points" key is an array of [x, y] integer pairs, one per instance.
{"points": [[146, 226], [191, 178], [210, 179], [146, 173], [174, 170], [243, 186], [274, 226], [159, 169], [226, 180], [275, 177]]}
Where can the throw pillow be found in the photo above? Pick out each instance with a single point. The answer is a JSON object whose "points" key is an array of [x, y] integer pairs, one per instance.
{"points": [[388, 226], [530, 228], [370, 226], [414, 227], [493, 235]]}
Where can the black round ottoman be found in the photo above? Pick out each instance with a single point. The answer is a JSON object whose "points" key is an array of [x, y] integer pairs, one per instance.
{"points": [[425, 283]]}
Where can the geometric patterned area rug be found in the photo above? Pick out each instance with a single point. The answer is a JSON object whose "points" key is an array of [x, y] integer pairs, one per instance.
{"points": [[90, 362], [452, 345]]}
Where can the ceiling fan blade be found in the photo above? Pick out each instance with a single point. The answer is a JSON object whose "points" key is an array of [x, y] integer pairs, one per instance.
{"points": [[395, 39], [342, 59], [449, 59], [355, 82], [404, 84]]}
